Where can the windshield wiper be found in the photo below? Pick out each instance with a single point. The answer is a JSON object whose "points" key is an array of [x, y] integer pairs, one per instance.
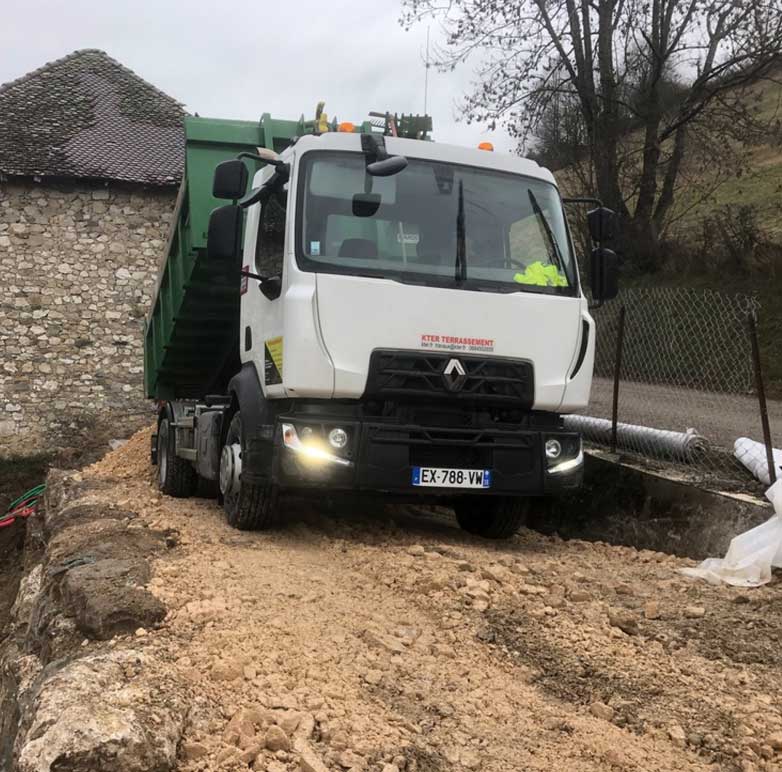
{"points": [[461, 246], [556, 252]]}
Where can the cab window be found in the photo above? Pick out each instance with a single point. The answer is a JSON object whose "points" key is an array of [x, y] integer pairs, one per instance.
{"points": [[270, 245]]}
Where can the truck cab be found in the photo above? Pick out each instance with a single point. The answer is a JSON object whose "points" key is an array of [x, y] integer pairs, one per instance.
{"points": [[410, 321]]}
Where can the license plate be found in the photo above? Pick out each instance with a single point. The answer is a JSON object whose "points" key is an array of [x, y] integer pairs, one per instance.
{"points": [[430, 477]]}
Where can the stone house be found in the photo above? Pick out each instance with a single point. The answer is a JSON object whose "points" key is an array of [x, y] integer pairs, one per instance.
{"points": [[90, 159]]}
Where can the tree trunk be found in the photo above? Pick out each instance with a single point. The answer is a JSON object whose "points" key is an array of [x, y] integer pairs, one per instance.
{"points": [[604, 153], [645, 233], [641, 241], [647, 186], [671, 174], [605, 141]]}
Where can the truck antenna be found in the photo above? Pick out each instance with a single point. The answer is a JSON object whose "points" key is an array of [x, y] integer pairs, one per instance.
{"points": [[427, 65]]}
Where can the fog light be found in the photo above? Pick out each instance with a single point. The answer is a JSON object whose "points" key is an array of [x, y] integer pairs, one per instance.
{"points": [[338, 438], [553, 449]]}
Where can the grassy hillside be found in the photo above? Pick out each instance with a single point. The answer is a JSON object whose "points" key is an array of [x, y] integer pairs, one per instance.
{"points": [[757, 182], [743, 173]]}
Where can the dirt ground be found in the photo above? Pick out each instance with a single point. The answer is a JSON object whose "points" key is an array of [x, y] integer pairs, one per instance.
{"points": [[387, 640]]}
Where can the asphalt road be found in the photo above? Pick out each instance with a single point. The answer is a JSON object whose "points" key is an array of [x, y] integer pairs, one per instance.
{"points": [[721, 418]]}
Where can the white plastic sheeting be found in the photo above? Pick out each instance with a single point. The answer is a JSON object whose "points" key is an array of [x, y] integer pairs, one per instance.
{"points": [[660, 443], [753, 455], [751, 555]]}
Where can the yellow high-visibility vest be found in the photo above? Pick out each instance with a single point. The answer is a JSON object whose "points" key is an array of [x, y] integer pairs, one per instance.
{"points": [[542, 275]]}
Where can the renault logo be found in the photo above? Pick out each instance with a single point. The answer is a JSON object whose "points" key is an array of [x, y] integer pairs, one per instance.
{"points": [[454, 375]]}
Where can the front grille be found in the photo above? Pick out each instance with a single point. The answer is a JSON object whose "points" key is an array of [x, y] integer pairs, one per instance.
{"points": [[451, 456], [486, 380], [433, 415]]}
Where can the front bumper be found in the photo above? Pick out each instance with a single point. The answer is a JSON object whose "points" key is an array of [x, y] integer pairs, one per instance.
{"points": [[381, 457]]}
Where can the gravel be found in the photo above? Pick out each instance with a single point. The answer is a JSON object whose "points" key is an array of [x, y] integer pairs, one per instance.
{"points": [[338, 642]]}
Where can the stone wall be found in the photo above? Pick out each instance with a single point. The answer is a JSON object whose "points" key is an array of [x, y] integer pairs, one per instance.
{"points": [[78, 265], [79, 691]]}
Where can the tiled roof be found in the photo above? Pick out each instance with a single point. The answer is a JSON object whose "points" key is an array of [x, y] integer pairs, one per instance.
{"points": [[87, 116]]}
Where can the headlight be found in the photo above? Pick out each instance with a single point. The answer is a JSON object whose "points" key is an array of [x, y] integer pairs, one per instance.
{"points": [[563, 454], [553, 449], [313, 451], [338, 438]]}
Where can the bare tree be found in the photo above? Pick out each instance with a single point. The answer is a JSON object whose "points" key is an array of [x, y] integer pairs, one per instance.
{"points": [[615, 60]]}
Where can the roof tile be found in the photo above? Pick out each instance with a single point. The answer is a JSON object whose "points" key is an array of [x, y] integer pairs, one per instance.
{"points": [[87, 116]]}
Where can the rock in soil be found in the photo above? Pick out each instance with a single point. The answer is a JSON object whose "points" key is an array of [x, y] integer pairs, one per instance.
{"points": [[624, 620]]}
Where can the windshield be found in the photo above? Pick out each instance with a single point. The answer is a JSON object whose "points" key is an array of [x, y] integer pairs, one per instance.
{"points": [[433, 223]]}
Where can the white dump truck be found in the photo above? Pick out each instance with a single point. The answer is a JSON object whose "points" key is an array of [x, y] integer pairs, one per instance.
{"points": [[372, 311]]}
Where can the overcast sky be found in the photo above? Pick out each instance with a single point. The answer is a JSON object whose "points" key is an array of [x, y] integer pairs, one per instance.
{"points": [[241, 59]]}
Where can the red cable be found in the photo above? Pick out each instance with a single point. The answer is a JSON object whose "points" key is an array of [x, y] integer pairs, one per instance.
{"points": [[25, 512], [20, 511]]}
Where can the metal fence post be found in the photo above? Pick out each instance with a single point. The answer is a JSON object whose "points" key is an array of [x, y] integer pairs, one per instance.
{"points": [[620, 342], [753, 335]]}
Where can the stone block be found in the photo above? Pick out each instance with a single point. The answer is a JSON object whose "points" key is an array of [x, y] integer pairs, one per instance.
{"points": [[86, 716], [106, 598]]}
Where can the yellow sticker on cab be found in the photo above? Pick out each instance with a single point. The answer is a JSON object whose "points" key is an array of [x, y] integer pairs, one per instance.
{"points": [[273, 361]]}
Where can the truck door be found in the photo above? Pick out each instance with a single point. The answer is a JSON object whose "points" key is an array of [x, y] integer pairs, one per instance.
{"points": [[266, 318]]}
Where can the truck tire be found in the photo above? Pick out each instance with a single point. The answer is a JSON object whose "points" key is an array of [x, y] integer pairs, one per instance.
{"points": [[252, 507], [493, 517], [175, 476]]}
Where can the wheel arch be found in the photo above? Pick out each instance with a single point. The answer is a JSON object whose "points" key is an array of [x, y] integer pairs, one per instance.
{"points": [[247, 396], [257, 423]]}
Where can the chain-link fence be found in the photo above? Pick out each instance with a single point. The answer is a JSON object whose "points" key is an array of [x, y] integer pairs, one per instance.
{"points": [[687, 381]]}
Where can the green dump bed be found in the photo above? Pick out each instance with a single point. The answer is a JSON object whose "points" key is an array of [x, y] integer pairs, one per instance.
{"points": [[191, 335]]}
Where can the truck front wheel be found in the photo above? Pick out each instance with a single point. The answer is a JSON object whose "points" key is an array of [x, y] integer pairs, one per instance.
{"points": [[175, 476], [493, 517], [248, 506]]}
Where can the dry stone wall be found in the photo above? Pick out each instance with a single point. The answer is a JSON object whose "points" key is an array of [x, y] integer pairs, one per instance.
{"points": [[79, 691], [78, 264]]}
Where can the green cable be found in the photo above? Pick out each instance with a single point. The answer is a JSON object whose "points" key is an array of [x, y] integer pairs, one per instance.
{"points": [[32, 493]]}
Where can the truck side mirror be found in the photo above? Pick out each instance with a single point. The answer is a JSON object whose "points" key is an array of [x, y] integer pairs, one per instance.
{"points": [[603, 274], [224, 234], [387, 167], [230, 180], [272, 287], [602, 224]]}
